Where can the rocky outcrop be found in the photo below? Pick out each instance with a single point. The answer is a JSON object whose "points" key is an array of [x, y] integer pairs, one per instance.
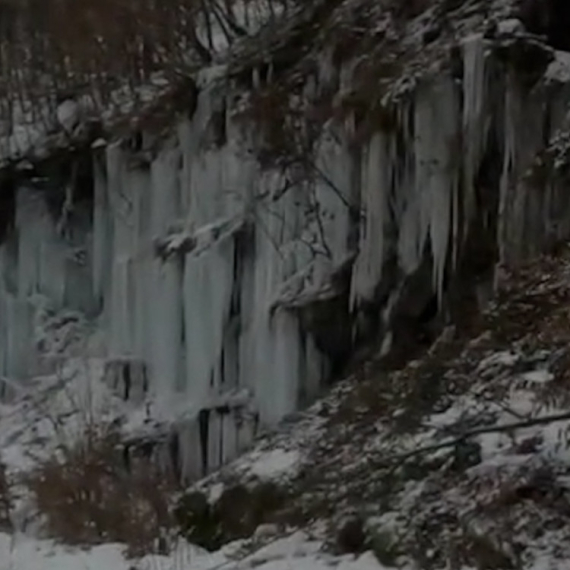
{"points": [[237, 257]]}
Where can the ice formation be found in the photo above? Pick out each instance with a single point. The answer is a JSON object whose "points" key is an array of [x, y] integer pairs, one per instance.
{"points": [[202, 274]]}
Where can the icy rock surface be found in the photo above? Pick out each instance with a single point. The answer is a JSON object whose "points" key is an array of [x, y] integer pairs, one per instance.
{"points": [[201, 277]]}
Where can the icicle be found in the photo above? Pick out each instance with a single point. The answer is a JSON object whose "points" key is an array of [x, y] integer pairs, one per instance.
{"points": [[475, 120], [376, 171], [208, 284], [102, 228], [509, 165], [436, 170], [406, 199]]}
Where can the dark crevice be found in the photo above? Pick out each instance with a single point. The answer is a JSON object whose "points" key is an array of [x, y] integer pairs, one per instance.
{"points": [[146, 449], [429, 312], [174, 450], [415, 317], [53, 177], [239, 253], [303, 398], [11, 252], [223, 365], [221, 440], [127, 458], [229, 358], [145, 381], [203, 426], [84, 190], [135, 142], [218, 125], [328, 323], [183, 333], [550, 19], [127, 381], [7, 206]]}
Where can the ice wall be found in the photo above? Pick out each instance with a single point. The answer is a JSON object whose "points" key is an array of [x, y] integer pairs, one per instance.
{"points": [[211, 278]]}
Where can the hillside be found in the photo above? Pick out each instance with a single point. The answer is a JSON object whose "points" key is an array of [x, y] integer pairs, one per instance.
{"points": [[284, 270], [458, 460]]}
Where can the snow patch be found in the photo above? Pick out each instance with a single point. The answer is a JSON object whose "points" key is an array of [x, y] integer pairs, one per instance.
{"points": [[559, 69], [275, 464], [538, 376]]}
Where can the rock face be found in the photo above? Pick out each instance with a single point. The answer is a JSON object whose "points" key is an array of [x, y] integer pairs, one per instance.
{"points": [[236, 289]]}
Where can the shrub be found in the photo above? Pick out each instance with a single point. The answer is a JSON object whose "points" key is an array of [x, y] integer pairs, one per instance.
{"points": [[87, 496]]}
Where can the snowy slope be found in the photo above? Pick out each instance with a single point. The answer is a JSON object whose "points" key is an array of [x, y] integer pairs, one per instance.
{"points": [[461, 457], [295, 552], [458, 460]]}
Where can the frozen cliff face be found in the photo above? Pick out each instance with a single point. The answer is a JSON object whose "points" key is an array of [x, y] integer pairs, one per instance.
{"points": [[227, 293]]}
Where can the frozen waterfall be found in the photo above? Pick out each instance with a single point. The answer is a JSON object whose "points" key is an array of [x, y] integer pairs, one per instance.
{"points": [[207, 280]]}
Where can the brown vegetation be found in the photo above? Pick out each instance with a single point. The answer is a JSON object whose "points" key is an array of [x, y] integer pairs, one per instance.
{"points": [[61, 47], [87, 496]]}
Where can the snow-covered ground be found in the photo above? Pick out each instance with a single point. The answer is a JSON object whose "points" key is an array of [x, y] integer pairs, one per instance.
{"points": [[295, 552], [461, 459]]}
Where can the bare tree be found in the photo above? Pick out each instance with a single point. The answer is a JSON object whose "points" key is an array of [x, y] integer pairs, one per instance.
{"points": [[50, 49]]}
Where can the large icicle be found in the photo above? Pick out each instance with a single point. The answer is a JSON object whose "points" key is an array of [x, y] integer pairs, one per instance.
{"points": [[476, 120], [163, 293], [205, 268], [377, 170], [437, 169]]}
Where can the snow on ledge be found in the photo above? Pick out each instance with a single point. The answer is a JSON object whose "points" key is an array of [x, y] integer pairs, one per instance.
{"points": [[559, 68]]}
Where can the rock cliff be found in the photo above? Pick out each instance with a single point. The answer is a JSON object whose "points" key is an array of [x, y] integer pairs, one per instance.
{"points": [[356, 178]]}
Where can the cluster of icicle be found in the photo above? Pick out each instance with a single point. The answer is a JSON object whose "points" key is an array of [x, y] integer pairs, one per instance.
{"points": [[211, 316]]}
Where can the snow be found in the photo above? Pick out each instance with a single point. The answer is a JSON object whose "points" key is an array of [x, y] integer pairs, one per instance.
{"points": [[28, 554], [239, 257], [296, 551], [24, 553], [559, 68], [275, 463], [68, 115], [510, 27], [55, 410], [538, 376], [206, 339], [498, 359]]}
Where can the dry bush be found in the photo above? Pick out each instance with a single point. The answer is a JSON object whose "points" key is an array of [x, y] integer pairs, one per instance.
{"points": [[87, 496]]}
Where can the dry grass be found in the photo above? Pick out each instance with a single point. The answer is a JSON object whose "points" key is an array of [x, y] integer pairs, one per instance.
{"points": [[87, 496]]}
